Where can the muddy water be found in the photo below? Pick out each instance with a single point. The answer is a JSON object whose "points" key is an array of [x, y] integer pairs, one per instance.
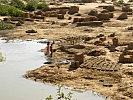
{"points": [[22, 56]]}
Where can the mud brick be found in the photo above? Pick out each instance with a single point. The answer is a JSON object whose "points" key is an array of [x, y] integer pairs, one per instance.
{"points": [[79, 57]]}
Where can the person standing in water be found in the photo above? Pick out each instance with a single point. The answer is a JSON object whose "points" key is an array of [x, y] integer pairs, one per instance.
{"points": [[48, 48], [51, 50]]}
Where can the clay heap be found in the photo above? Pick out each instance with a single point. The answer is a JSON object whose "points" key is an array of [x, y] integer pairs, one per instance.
{"points": [[127, 55]]}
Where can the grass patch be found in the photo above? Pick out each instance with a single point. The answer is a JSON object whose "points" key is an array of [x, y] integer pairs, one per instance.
{"points": [[42, 5], [33, 5], [4, 26], [6, 10], [18, 4]]}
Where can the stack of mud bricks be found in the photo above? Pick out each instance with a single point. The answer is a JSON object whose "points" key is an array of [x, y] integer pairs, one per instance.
{"points": [[115, 42], [78, 59], [127, 55]]}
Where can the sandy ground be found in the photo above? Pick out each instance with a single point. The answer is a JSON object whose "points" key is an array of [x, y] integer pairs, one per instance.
{"points": [[116, 83]]}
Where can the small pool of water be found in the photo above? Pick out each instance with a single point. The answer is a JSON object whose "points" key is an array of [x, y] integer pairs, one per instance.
{"points": [[22, 56]]}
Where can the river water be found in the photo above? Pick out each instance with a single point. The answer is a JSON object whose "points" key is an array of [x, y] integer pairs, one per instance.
{"points": [[21, 56]]}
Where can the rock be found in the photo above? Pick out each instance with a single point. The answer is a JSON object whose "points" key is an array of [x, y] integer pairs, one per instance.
{"points": [[38, 17], [78, 46], [126, 58], [29, 19], [102, 39], [26, 15], [129, 13], [79, 57], [130, 46], [7, 19], [32, 15], [77, 14], [122, 16], [17, 18], [38, 13], [51, 14], [115, 41], [111, 14], [93, 12], [107, 85], [91, 23], [87, 38], [73, 10], [105, 11], [60, 16], [18, 24], [100, 35], [62, 11], [64, 24], [126, 9], [127, 54], [98, 42], [109, 8], [85, 19], [31, 31], [103, 16], [96, 53], [112, 35], [69, 18], [130, 28], [112, 48], [88, 30]]}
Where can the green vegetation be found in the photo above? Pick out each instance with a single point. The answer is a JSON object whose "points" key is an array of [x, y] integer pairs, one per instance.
{"points": [[6, 10], [42, 5], [1, 58], [18, 4], [15, 7], [60, 95], [121, 2], [4, 26], [33, 5]]}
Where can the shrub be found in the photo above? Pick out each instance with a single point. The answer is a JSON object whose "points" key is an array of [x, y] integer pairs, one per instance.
{"points": [[14, 12], [31, 6], [3, 10], [6, 10], [18, 4], [60, 95], [121, 2], [4, 26], [42, 5]]}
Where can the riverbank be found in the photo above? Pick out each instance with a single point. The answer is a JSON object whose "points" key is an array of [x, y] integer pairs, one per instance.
{"points": [[101, 46], [112, 82]]}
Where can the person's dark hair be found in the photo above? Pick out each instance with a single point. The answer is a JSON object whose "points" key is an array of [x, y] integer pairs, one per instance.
{"points": [[48, 43]]}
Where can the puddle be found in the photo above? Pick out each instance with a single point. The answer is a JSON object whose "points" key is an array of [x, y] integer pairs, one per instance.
{"points": [[22, 56]]}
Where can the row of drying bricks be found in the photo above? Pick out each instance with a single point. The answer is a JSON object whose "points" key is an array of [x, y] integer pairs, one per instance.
{"points": [[101, 64]]}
